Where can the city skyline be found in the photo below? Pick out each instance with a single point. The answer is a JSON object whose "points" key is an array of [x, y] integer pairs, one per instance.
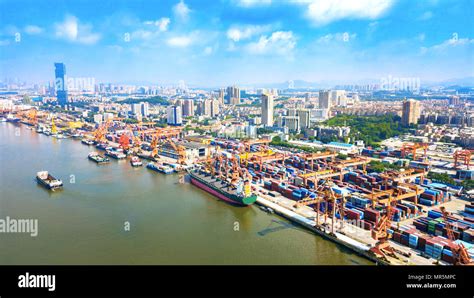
{"points": [[239, 42]]}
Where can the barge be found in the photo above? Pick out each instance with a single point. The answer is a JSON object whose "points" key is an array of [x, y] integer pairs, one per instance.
{"points": [[115, 154], [45, 179], [160, 168], [96, 157]]}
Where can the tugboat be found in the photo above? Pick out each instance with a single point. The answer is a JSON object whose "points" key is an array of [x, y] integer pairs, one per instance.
{"points": [[48, 181], [136, 162], [160, 168], [96, 157]]}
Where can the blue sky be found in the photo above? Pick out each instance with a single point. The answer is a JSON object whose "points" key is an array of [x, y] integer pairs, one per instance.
{"points": [[246, 42]]}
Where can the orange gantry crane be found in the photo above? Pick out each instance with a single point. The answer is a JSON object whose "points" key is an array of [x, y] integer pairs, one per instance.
{"points": [[462, 157], [460, 254], [412, 148], [381, 234], [311, 157], [101, 131]]}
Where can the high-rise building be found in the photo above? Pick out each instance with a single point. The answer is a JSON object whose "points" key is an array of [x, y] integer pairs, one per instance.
{"points": [[324, 100], [290, 122], [174, 115], [214, 107], [233, 95], [188, 108], [304, 118], [136, 109], [267, 110], [61, 83], [221, 96], [144, 108], [454, 100], [410, 112]]}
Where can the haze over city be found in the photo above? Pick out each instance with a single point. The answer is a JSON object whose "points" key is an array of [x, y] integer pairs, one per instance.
{"points": [[250, 43]]}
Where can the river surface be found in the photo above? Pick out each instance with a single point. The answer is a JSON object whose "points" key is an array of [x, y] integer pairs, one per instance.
{"points": [[169, 222]]}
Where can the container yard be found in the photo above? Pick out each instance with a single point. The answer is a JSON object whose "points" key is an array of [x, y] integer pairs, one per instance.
{"points": [[394, 217]]}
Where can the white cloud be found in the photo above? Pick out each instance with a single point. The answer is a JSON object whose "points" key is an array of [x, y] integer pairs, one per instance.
{"points": [[453, 42], [280, 42], [180, 41], [236, 33], [181, 10], [32, 29], [322, 12], [71, 30], [161, 24], [250, 3]]}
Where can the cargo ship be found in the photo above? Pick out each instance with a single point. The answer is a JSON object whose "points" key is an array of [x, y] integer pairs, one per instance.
{"points": [[48, 181], [135, 161], [160, 168], [238, 195], [96, 157]]}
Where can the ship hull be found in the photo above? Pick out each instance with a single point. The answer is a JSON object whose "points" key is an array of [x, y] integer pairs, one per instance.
{"points": [[231, 199]]}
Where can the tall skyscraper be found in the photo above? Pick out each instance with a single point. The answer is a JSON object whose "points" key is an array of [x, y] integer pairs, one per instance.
{"points": [[61, 83], [411, 112], [324, 100], [174, 115], [267, 110]]}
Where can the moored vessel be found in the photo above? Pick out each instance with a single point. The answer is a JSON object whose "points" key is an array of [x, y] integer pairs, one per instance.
{"points": [[115, 154], [96, 157], [136, 162], [239, 194], [160, 168]]}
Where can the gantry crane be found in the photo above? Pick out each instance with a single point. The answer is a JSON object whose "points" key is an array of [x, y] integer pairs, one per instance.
{"points": [[380, 233], [100, 132], [408, 148], [462, 157], [460, 254]]}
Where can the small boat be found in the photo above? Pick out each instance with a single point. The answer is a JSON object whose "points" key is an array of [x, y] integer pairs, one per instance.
{"points": [[48, 181], [96, 157], [160, 168], [136, 162], [103, 146], [11, 118], [2, 119], [87, 141], [115, 154]]}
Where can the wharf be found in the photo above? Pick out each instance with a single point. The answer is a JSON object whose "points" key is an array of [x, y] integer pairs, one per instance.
{"points": [[351, 237]]}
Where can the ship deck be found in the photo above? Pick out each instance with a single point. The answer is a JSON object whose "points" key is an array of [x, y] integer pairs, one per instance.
{"points": [[219, 184]]}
